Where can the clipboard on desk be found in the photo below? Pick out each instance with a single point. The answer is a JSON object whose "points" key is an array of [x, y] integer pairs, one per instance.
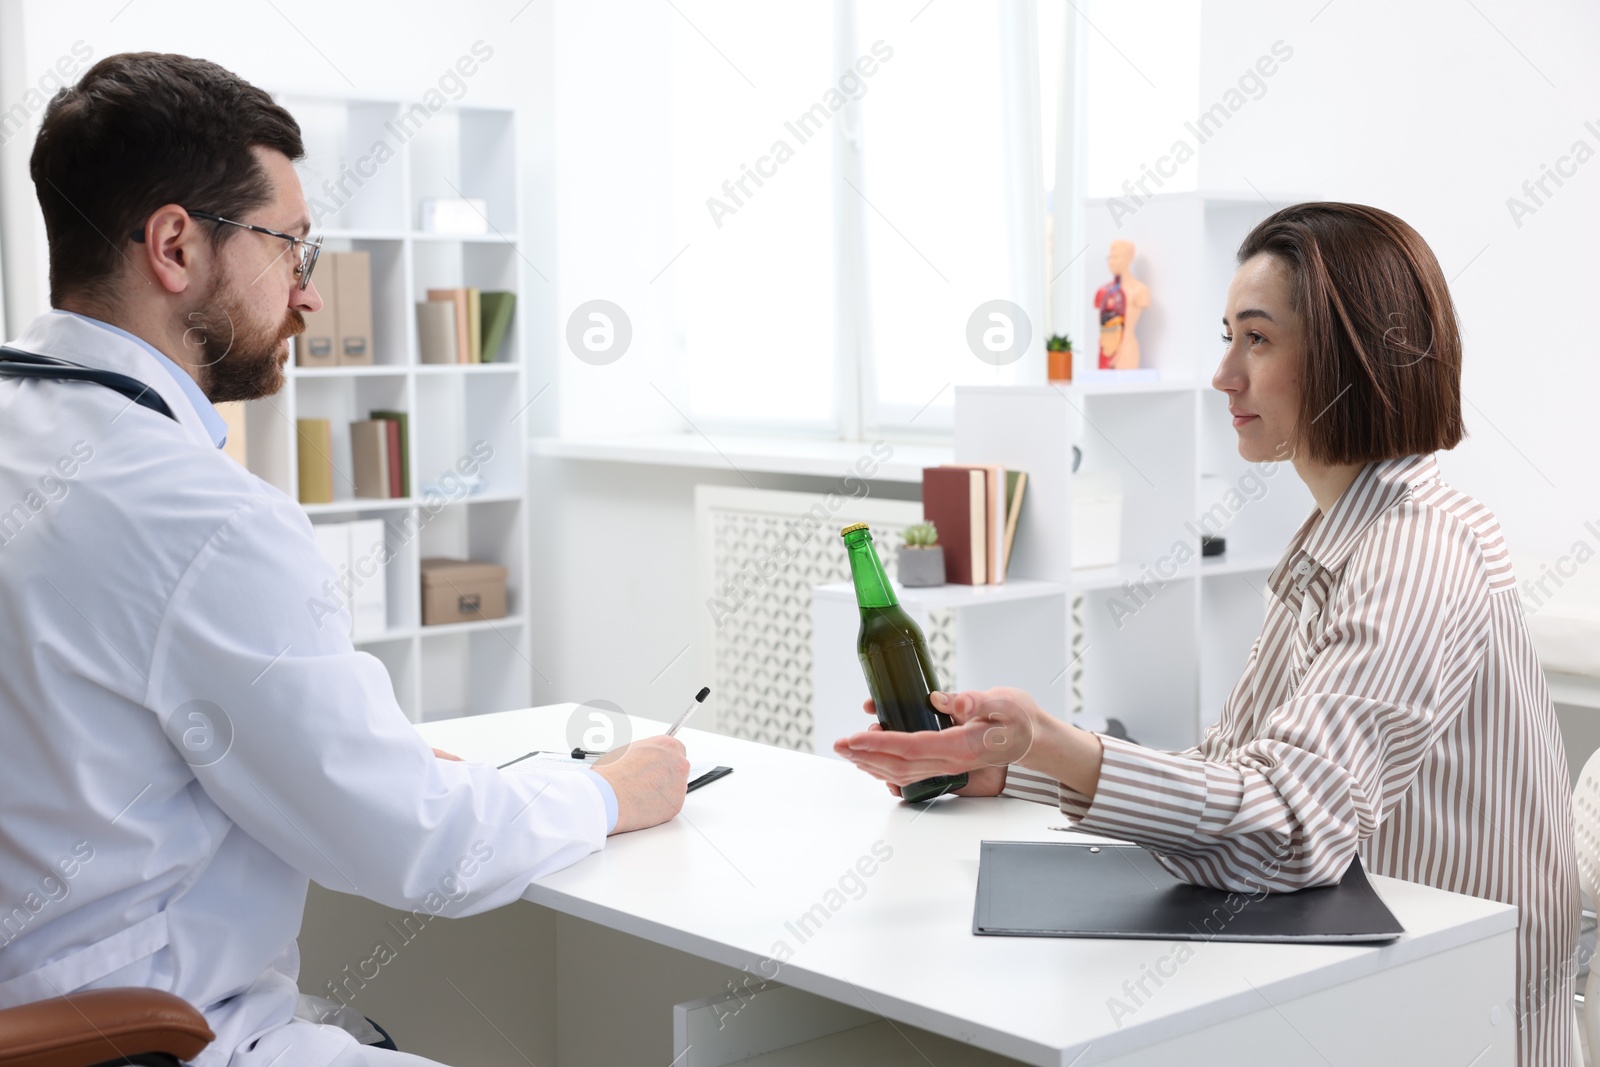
{"points": [[1050, 889]]}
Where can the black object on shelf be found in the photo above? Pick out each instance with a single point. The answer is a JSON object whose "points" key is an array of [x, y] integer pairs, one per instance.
{"points": [[1212, 546]]}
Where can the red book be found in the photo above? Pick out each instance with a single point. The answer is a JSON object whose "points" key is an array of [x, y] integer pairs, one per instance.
{"points": [[391, 429], [954, 499], [995, 512]]}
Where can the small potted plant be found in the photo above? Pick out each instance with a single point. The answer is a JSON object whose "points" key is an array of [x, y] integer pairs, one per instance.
{"points": [[921, 557], [1059, 351]]}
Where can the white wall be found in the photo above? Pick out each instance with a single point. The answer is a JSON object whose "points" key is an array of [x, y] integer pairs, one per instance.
{"points": [[1424, 109]]}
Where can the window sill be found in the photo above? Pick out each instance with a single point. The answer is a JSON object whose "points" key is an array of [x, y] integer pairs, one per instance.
{"points": [[764, 455]]}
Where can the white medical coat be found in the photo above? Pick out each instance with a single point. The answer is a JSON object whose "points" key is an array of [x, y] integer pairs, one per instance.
{"points": [[186, 741]]}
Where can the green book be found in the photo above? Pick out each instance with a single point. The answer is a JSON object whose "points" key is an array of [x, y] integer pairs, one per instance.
{"points": [[405, 445], [1016, 486], [496, 312]]}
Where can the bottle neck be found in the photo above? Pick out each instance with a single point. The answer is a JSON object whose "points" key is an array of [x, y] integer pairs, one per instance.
{"points": [[872, 584]]}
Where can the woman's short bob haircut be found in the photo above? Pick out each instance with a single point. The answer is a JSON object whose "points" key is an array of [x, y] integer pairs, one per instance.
{"points": [[1382, 374]]}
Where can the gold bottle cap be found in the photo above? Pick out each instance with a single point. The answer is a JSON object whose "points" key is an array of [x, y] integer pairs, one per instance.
{"points": [[852, 528]]}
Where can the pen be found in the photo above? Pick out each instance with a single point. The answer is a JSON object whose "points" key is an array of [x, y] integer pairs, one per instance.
{"points": [[699, 698]]}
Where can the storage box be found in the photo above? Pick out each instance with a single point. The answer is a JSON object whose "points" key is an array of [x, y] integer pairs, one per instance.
{"points": [[353, 271], [459, 215], [318, 346], [1096, 520], [458, 590]]}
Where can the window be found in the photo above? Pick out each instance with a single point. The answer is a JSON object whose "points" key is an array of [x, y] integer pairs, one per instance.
{"points": [[846, 201], [854, 181], [934, 209], [753, 168]]}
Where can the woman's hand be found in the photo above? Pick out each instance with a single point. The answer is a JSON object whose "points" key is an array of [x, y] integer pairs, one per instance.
{"points": [[990, 731]]}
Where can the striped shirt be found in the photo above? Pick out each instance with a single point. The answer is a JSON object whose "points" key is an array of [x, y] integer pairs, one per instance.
{"points": [[1393, 707]]}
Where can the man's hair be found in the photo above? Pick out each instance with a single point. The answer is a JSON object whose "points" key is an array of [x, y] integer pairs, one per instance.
{"points": [[141, 130], [1382, 373]]}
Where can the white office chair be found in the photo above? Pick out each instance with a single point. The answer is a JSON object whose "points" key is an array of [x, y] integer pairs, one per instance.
{"points": [[1586, 821]]}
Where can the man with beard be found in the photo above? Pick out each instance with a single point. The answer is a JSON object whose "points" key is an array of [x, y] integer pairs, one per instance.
{"points": [[186, 742]]}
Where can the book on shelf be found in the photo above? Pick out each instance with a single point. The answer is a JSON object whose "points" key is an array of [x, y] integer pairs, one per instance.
{"points": [[497, 310], [369, 454], [975, 508], [436, 331], [400, 455], [474, 326], [314, 449], [1016, 486], [954, 499], [233, 416], [391, 433], [994, 516], [458, 299]]}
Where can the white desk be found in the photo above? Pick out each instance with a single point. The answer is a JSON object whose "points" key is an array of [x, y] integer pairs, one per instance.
{"points": [[730, 880]]}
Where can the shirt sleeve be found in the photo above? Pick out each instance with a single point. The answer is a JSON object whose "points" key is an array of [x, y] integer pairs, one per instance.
{"points": [[1392, 669], [308, 752], [608, 794]]}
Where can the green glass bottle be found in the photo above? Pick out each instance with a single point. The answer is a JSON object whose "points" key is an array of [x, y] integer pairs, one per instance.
{"points": [[894, 657]]}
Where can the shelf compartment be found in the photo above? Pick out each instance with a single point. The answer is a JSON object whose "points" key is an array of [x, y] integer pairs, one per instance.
{"points": [[1141, 660], [342, 400], [473, 669], [466, 152], [350, 183]]}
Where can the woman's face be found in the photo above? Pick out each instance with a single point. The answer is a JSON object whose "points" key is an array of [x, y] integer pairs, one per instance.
{"points": [[1260, 368]]}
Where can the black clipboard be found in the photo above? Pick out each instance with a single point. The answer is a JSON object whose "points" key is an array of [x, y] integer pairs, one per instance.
{"points": [[710, 776], [1049, 889]]}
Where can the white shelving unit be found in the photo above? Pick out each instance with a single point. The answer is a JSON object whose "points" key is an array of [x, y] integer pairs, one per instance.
{"points": [[1162, 641], [457, 412]]}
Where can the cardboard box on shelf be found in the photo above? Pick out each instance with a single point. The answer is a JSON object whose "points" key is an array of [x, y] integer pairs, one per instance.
{"points": [[352, 272], [458, 590], [318, 345]]}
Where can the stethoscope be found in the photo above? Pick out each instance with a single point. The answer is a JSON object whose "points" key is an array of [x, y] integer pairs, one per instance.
{"points": [[15, 363]]}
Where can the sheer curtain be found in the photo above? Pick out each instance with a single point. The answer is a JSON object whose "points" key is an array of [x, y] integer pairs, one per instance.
{"points": [[756, 212], [855, 182], [951, 199]]}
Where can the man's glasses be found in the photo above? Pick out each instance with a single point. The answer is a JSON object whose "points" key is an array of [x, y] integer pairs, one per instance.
{"points": [[308, 249]]}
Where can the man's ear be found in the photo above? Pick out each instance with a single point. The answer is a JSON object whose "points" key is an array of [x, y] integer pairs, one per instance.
{"points": [[175, 249]]}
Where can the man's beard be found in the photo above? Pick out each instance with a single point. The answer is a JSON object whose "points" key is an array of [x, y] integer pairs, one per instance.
{"points": [[239, 358]]}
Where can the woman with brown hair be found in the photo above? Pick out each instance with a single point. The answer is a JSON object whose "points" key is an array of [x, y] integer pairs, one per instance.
{"points": [[1393, 706]]}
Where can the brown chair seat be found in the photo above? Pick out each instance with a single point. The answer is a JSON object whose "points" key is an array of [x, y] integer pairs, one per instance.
{"points": [[100, 1025]]}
